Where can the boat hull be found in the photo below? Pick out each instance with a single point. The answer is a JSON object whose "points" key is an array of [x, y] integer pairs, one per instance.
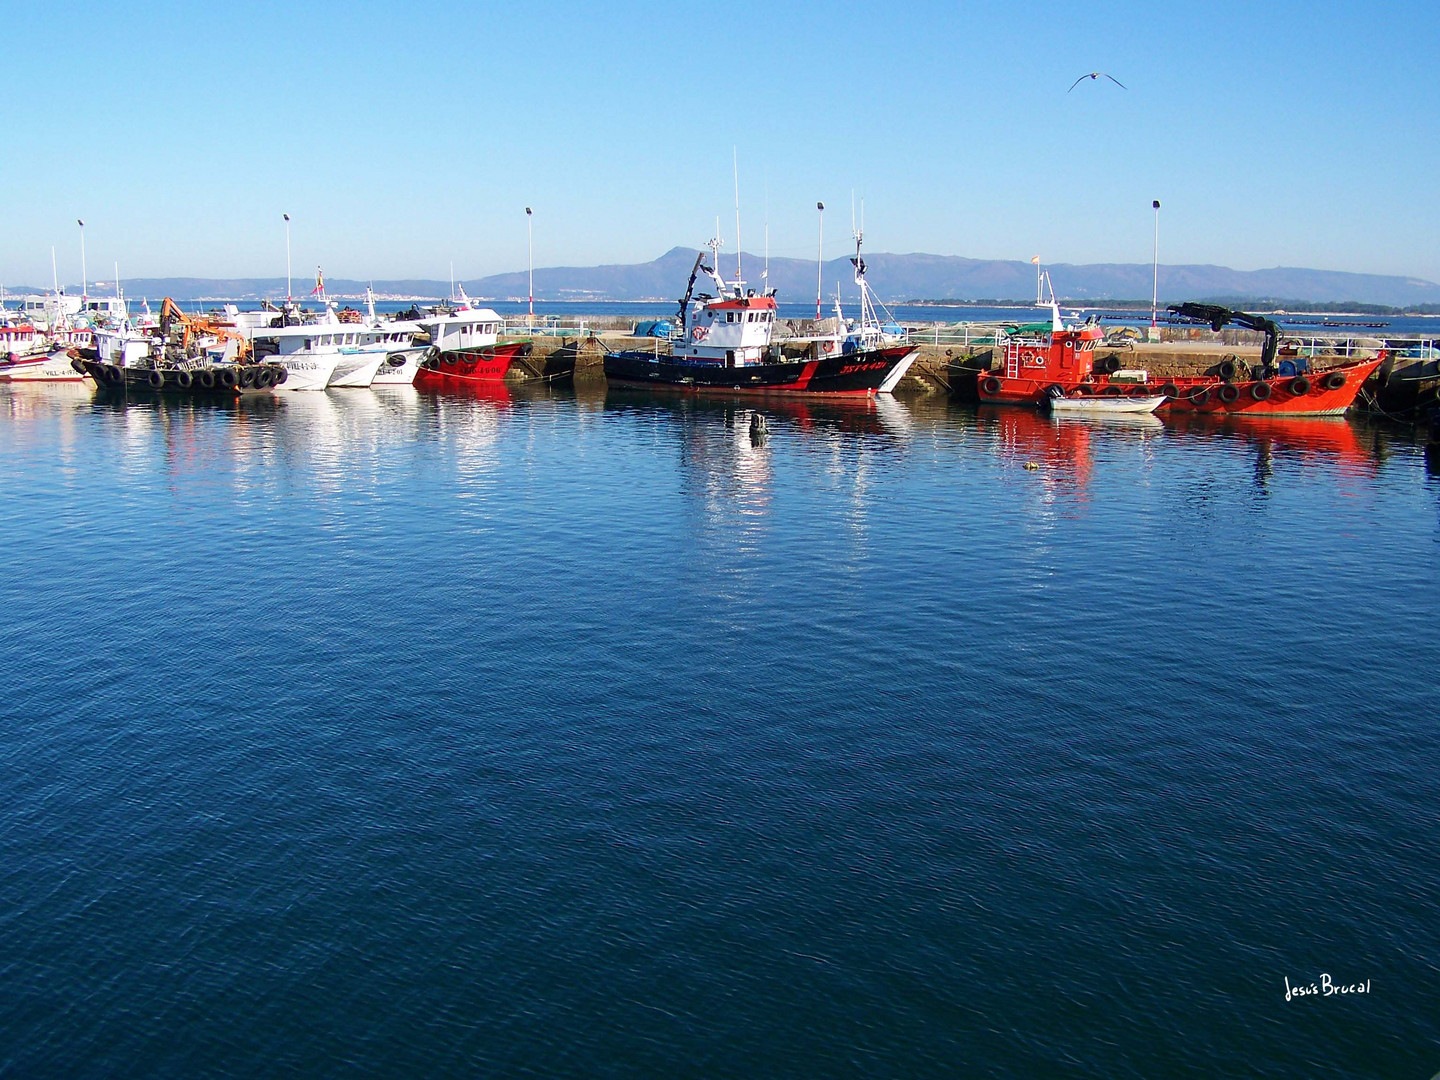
{"points": [[225, 380], [53, 366], [1322, 393], [402, 373], [306, 371], [357, 370], [461, 366], [860, 373]]}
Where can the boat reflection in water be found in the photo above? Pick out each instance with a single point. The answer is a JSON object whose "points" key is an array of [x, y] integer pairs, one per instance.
{"points": [[1335, 441], [729, 447], [813, 414], [1062, 448]]}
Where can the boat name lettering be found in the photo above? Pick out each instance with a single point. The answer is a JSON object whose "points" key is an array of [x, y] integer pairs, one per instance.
{"points": [[873, 366], [1326, 987]]}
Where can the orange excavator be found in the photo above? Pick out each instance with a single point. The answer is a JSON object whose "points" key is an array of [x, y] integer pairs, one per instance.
{"points": [[188, 335]]}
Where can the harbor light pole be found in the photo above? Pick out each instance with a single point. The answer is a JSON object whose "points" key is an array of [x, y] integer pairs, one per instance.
{"points": [[1155, 279], [84, 295], [288, 295], [820, 261], [530, 246]]}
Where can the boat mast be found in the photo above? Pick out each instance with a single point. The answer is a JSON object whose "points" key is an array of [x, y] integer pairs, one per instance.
{"points": [[739, 278], [765, 273]]}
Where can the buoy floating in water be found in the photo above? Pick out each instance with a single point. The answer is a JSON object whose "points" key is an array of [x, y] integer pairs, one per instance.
{"points": [[1032, 466]]}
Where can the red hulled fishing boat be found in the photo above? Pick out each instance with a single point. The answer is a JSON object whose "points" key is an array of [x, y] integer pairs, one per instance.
{"points": [[1058, 361]]}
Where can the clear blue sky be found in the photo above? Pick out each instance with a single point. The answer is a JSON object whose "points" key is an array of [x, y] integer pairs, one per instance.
{"points": [[404, 137]]}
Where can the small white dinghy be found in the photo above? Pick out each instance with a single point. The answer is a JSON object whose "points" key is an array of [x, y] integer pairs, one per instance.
{"points": [[1093, 404]]}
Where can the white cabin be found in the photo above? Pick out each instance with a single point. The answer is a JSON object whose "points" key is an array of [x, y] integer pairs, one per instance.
{"points": [[20, 340], [733, 330], [475, 328], [48, 310]]}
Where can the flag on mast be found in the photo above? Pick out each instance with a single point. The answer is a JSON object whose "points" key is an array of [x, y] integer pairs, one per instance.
{"points": [[1035, 259], [319, 289]]}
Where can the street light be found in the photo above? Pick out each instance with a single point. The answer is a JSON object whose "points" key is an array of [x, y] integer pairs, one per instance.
{"points": [[84, 296], [820, 262], [1155, 280], [530, 244], [288, 296]]}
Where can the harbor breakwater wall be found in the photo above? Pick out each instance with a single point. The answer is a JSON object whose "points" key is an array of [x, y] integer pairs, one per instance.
{"points": [[937, 368]]}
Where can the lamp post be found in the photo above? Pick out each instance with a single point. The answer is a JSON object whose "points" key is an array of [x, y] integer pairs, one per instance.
{"points": [[84, 294], [820, 262], [1155, 279], [530, 247], [288, 296]]}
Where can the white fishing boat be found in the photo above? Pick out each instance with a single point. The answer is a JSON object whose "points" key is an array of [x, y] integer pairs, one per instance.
{"points": [[402, 356], [308, 355]]}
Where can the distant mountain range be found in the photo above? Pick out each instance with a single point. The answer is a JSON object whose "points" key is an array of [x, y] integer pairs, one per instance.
{"points": [[895, 278]]}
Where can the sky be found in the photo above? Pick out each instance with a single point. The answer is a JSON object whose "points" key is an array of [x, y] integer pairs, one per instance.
{"points": [[404, 138]]}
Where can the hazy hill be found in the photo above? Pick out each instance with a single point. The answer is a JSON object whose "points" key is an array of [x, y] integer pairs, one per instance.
{"points": [[894, 278]]}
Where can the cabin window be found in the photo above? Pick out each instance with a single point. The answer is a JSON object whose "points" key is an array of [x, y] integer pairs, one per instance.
{"points": [[307, 343], [729, 316]]}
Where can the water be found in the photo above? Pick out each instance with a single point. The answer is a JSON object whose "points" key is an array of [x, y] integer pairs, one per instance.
{"points": [[392, 734]]}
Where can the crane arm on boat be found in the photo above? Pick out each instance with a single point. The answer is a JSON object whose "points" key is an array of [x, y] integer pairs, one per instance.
{"points": [[1219, 317]]}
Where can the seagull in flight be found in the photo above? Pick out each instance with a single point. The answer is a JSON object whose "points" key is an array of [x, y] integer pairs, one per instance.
{"points": [[1096, 75]]}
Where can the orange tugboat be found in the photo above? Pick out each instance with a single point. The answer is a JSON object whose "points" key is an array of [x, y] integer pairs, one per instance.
{"points": [[1044, 363]]}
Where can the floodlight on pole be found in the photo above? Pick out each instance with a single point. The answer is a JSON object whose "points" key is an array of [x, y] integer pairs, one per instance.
{"points": [[84, 295], [820, 262], [1155, 278], [530, 246], [288, 292]]}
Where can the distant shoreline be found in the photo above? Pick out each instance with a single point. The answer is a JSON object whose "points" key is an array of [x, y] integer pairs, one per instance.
{"points": [[1318, 310]]}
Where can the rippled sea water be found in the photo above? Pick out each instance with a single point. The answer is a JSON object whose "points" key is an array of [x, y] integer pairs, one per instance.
{"points": [[564, 734]]}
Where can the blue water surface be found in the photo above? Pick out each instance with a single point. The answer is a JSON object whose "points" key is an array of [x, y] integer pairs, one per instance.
{"points": [[380, 733]]}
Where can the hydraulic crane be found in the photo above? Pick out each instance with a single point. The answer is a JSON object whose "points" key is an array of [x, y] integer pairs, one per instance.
{"points": [[1219, 317]]}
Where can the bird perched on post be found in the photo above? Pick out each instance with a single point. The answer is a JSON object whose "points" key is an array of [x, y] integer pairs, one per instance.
{"points": [[1096, 75]]}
